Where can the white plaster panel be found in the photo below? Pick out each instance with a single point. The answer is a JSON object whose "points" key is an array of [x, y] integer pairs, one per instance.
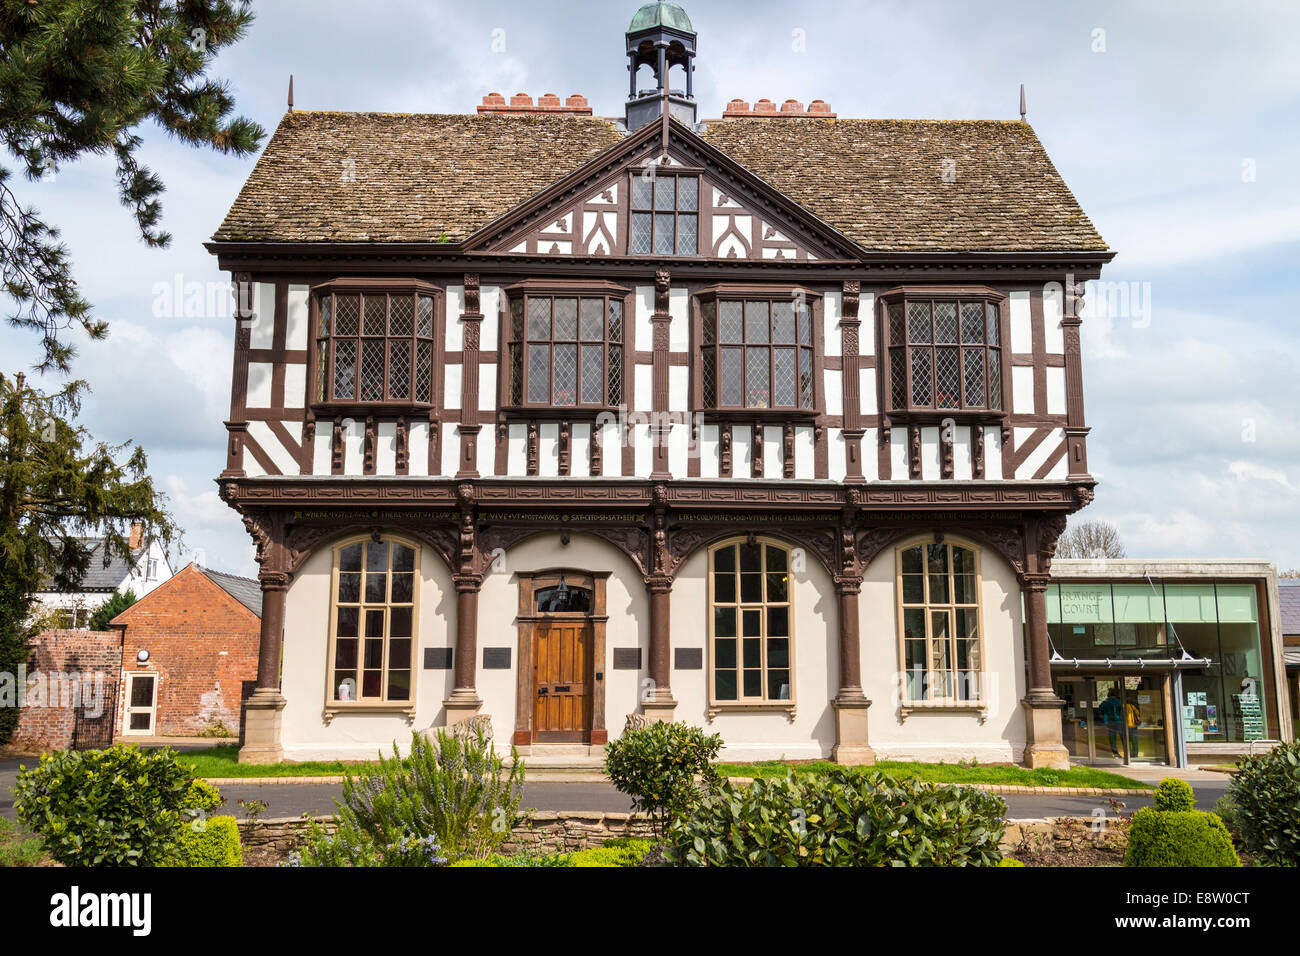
{"points": [[455, 327], [259, 385], [867, 390], [354, 438], [491, 301], [867, 324], [679, 325], [930, 470], [517, 451], [580, 449], [1022, 336], [295, 384], [386, 448], [836, 455], [548, 449], [295, 330], [487, 387], [805, 450], [834, 392], [898, 470], [772, 447], [643, 308], [452, 386], [1022, 389], [831, 312], [417, 447], [262, 334], [679, 388], [1055, 391], [643, 387], [742, 441], [992, 451], [709, 460]]}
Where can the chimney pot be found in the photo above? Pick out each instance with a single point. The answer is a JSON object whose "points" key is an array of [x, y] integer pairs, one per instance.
{"points": [[548, 101], [521, 99], [791, 106], [764, 106], [576, 101]]}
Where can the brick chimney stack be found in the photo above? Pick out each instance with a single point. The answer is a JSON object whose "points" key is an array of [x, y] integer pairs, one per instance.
{"points": [[136, 538]]}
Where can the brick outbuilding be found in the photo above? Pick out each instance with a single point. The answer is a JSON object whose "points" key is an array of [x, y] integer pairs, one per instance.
{"points": [[198, 636]]}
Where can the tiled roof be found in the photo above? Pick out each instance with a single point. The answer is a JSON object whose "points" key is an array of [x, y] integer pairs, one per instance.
{"points": [[384, 177], [101, 577], [244, 590], [413, 177], [883, 182], [1288, 595]]}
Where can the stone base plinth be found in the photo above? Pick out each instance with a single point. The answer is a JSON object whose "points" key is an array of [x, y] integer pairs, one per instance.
{"points": [[1045, 746], [659, 710], [263, 724], [851, 746], [461, 707]]}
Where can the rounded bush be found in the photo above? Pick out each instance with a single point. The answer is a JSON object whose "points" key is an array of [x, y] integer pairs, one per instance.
{"points": [[1009, 861], [117, 807], [209, 842], [1174, 794], [1178, 838], [664, 767], [1265, 794], [840, 818]]}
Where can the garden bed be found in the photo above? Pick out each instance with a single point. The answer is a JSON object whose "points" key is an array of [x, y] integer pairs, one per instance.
{"points": [[990, 774]]}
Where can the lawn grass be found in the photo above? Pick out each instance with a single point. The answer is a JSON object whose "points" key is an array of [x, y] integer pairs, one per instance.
{"points": [[16, 848], [1002, 774], [223, 761]]}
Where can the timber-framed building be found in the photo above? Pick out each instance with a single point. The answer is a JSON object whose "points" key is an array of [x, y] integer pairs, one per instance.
{"points": [[767, 423]]}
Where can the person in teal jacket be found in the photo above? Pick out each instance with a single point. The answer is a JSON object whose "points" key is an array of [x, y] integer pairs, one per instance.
{"points": [[1112, 715]]}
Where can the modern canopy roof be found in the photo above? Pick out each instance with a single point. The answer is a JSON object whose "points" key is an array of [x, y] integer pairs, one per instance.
{"points": [[887, 185]]}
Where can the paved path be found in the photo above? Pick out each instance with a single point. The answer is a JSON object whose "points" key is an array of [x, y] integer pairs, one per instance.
{"points": [[294, 799]]}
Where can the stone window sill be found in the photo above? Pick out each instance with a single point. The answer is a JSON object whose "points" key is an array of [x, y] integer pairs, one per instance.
{"points": [[334, 708], [786, 707]]}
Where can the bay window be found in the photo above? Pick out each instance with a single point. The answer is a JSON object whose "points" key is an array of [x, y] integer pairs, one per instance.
{"points": [[757, 350], [565, 349]]}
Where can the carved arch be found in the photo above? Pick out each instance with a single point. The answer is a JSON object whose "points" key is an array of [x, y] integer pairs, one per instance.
{"points": [[683, 542], [305, 540]]}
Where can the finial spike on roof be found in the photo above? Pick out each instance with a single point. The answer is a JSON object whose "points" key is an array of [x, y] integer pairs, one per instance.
{"points": [[1022, 102], [290, 92]]}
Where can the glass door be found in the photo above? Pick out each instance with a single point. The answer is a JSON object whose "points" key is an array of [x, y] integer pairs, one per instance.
{"points": [[1144, 716], [1114, 721]]}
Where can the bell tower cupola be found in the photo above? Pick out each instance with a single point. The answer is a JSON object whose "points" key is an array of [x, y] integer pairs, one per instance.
{"points": [[660, 37]]}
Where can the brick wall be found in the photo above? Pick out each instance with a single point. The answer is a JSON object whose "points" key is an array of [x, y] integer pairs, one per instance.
{"points": [[202, 646], [45, 721]]}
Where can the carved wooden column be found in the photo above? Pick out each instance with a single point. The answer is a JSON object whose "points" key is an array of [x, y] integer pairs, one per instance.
{"points": [[660, 427], [1044, 733], [471, 323], [263, 710], [657, 701], [1076, 432], [464, 701], [852, 744], [852, 381]]}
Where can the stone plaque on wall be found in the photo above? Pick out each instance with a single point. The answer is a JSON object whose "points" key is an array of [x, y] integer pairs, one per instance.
{"points": [[627, 658], [437, 658], [496, 658], [688, 658]]}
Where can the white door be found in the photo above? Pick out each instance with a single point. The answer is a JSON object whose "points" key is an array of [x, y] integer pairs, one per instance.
{"points": [[141, 703]]}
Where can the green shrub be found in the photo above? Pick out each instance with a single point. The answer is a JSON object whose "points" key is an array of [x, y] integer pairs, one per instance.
{"points": [[1178, 838], [1266, 792], [210, 842], [15, 850], [664, 767], [624, 851], [840, 818], [1009, 861], [116, 807], [448, 798], [524, 858], [1226, 810], [1174, 794]]}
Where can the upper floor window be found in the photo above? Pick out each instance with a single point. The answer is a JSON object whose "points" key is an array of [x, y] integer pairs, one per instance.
{"points": [[373, 620], [375, 346], [757, 352], [939, 622], [750, 623], [665, 215], [945, 354], [565, 350]]}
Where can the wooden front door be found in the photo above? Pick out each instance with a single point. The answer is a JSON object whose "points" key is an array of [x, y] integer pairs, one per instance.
{"points": [[562, 676]]}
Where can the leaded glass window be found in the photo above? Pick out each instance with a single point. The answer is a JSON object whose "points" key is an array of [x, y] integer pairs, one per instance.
{"points": [[944, 354], [757, 353], [374, 347], [665, 215], [565, 351]]}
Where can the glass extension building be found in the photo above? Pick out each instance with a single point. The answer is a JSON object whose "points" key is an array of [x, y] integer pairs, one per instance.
{"points": [[1167, 661]]}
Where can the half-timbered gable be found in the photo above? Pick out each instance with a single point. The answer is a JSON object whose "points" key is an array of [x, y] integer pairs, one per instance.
{"points": [[659, 350]]}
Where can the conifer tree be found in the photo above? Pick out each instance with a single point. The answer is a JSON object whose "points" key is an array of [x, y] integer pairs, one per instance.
{"points": [[79, 77]]}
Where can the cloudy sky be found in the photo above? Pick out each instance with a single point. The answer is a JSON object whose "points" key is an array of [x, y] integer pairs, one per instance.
{"points": [[1173, 122]]}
